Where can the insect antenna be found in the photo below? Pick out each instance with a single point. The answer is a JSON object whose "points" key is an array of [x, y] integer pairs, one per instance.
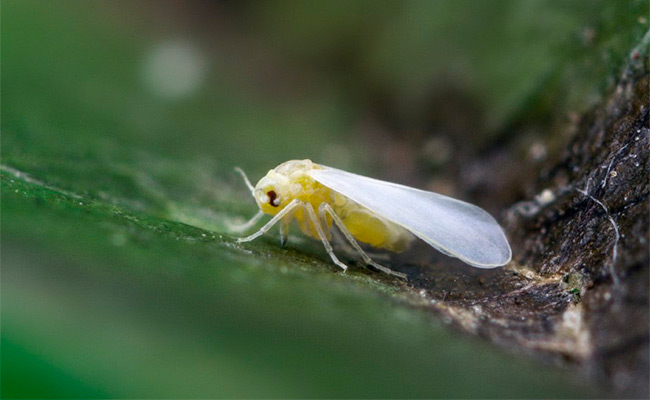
{"points": [[248, 183]]}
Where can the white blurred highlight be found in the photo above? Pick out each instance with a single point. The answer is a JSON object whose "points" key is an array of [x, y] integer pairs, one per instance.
{"points": [[174, 69]]}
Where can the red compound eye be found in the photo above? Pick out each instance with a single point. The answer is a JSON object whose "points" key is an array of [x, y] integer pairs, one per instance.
{"points": [[272, 196]]}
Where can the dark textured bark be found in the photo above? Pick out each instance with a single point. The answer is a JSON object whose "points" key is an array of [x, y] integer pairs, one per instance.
{"points": [[591, 227], [577, 290]]}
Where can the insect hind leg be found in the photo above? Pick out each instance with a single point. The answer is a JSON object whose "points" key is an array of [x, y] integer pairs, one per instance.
{"points": [[344, 245], [325, 209]]}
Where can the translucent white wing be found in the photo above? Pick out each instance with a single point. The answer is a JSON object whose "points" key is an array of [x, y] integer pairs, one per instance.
{"points": [[452, 226]]}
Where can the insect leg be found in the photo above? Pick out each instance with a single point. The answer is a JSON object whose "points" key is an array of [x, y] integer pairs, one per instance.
{"points": [[284, 231], [325, 209], [339, 239], [248, 183], [246, 225], [319, 229], [287, 211]]}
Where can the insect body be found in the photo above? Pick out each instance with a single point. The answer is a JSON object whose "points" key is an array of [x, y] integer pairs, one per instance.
{"points": [[382, 214]]}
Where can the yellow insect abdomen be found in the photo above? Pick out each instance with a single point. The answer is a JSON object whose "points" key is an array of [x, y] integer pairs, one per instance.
{"points": [[366, 228], [372, 229]]}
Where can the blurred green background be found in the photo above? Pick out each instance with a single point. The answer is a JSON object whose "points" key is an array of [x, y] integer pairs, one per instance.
{"points": [[122, 121]]}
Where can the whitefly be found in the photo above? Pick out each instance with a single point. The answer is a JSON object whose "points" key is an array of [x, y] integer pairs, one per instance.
{"points": [[382, 214]]}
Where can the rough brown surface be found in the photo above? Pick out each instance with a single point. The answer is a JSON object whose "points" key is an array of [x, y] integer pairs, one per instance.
{"points": [[595, 231], [577, 289]]}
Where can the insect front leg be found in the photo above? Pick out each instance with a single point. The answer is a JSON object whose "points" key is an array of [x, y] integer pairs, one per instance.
{"points": [[246, 225], [309, 209], [325, 209], [286, 212]]}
